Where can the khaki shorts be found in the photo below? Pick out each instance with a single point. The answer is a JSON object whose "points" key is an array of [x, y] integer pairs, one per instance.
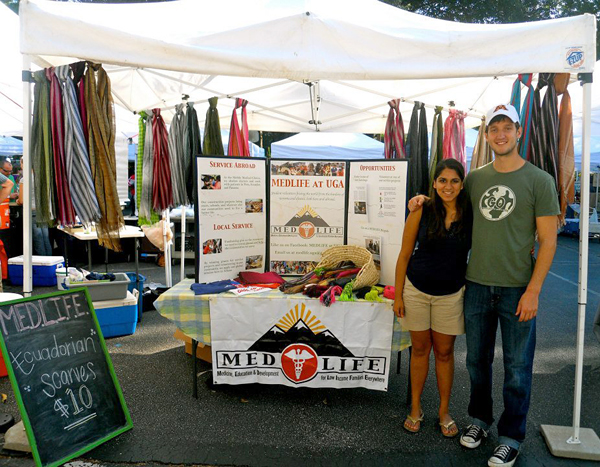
{"points": [[441, 313]]}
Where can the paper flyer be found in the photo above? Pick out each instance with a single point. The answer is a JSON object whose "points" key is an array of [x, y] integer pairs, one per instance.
{"points": [[232, 216]]}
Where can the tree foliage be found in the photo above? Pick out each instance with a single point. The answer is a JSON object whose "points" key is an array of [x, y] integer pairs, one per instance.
{"points": [[502, 11]]}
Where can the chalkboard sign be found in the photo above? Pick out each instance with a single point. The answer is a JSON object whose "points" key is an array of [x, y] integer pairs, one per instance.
{"points": [[62, 376]]}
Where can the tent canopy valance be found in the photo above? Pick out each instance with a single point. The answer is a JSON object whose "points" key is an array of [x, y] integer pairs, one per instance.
{"points": [[300, 61]]}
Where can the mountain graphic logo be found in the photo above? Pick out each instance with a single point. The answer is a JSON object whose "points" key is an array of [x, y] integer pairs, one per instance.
{"points": [[307, 220], [296, 336]]}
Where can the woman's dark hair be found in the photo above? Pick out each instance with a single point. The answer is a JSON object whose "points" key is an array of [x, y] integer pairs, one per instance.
{"points": [[435, 206]]}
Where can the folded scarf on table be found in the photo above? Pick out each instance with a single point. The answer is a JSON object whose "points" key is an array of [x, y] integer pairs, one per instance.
{"points": [[249, 277], [214, 287]]}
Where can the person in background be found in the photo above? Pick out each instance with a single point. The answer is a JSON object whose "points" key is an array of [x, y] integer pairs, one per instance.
{"points": [[430, 284], [7, 170], [40, 236]]}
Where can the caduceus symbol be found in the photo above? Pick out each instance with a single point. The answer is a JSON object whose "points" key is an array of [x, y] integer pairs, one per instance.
{"points": [[306, 228], [299, 357]]}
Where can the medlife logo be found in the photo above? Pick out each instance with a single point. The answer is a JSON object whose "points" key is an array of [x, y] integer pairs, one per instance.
{"points": [[497, 203]]}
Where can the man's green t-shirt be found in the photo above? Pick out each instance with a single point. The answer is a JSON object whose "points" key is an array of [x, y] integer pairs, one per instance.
{"points": [[505, 206]]}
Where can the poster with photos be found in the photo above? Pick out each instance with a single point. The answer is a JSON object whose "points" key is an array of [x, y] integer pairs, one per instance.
{"points": [[307, 212], [376, 214], [231, 216]]}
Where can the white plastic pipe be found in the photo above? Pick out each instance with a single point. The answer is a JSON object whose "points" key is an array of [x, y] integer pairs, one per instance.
{"points": [[27, 247], [584, 228], [182, 273]]}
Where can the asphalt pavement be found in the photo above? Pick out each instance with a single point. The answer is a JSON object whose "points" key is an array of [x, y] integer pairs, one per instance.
{"points": [[260, 425]]}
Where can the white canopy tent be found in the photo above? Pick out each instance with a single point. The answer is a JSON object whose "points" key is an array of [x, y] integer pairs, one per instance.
{"points": [[295, 48], [316, 145]]}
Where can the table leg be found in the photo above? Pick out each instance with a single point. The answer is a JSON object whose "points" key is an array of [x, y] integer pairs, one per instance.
{"points": [[137, 280], [195, 360], [65, 251], [89, 249], [106, 259]]}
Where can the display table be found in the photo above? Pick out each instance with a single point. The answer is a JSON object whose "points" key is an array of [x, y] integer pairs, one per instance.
{"points": [[191, 313], [128, 231]]}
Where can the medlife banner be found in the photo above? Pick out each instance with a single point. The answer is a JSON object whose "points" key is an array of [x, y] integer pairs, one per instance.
{"points": [[301, 343]]}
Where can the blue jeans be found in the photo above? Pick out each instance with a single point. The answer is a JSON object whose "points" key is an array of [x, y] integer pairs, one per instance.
{"points": [[485, 306], [40, 239]]}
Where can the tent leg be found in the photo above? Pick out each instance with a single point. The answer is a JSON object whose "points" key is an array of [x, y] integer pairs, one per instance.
{"points": [[27, 247], [183, 232], [574, 442]]}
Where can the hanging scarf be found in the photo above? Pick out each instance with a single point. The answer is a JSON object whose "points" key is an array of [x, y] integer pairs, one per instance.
{"points": [[417, 150], [78, 71], [454, 137], [482, 153], [212, 145], [41, 152], [515, 100], [566, 157], [194, 147], [549, 124], [394, 132], [162, 190], [139, 165], [145, 212], [100, 110], [177, 156], [66, 213], [238, 140], [437, 145], [77, 162]]}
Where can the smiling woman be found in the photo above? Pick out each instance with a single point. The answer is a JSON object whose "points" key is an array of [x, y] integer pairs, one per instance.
{"points": [[430, 286]]}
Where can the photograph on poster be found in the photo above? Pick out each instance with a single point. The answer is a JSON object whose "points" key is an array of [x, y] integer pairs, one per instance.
{"points": [[360, 207], [293, 267], [254, 262], [329, 169], [373, 244], [212, 246], [211, 182], [254, 205]]}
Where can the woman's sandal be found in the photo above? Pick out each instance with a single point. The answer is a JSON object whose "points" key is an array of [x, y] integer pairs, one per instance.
{"points": [[413, 424], [450, 429]]}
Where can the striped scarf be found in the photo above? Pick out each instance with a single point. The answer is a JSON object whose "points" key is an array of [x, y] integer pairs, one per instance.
{"points": [[41, 152], [145, 212], [77, 163], [566, 157], [549, 125], [100, 111], [66, 213], [238, 140], [177, 156], [139, 164], [162, 190], [482, 153], [515, 100], [454, 137], [393, 138], [437, 145]]}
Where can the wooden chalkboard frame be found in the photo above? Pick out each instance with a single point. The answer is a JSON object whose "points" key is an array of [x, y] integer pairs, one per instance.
{"points": [[25, 416]]}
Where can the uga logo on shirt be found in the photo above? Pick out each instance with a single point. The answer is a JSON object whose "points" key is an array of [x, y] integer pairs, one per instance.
{"points": [[497, 203]]}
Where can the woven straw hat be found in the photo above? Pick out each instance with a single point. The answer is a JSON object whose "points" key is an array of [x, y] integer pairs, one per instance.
{"points": [[361, 257]]}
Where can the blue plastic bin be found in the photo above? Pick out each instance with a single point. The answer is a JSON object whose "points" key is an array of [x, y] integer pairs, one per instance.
{"points": [[131, 286]]}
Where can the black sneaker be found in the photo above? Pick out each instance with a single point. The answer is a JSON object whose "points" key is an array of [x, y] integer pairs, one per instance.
{"points": [[472, 436], [504, 456]]}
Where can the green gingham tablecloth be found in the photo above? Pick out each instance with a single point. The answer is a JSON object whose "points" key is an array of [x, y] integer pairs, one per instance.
{"points": [[191, 313]]}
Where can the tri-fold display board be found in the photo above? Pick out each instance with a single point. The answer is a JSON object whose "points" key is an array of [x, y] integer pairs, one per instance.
{"points": [[280, 215]]}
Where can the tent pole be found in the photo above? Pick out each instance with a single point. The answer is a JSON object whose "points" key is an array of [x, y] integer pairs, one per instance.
{"points": [[576, 442], [27, 247], [183, 232]]}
